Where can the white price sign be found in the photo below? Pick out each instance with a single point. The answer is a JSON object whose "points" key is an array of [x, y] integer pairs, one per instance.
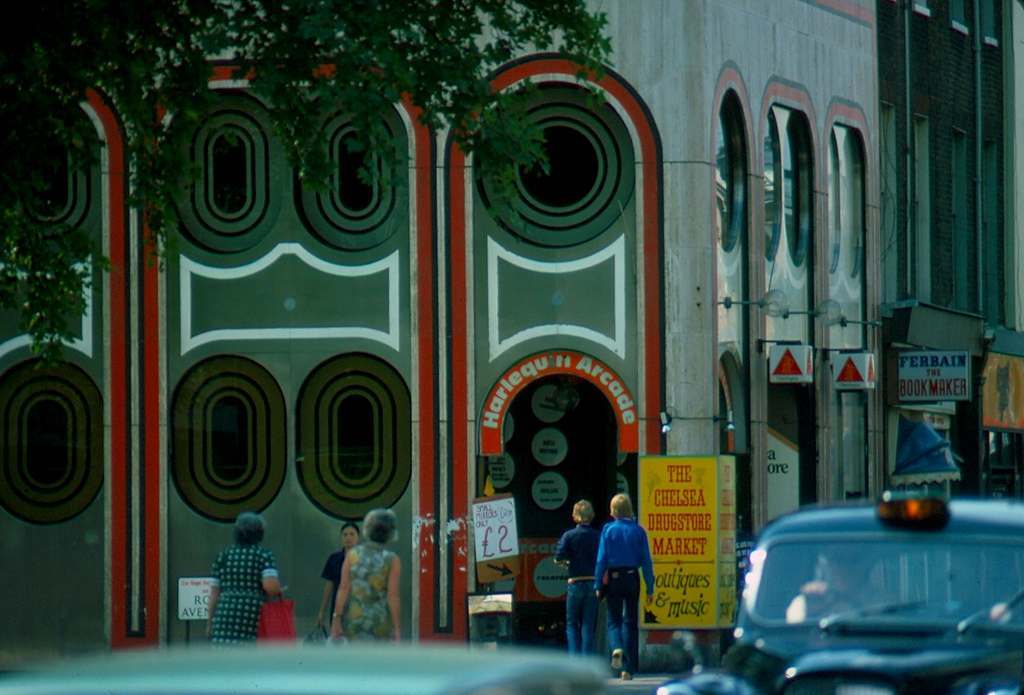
{"points": [[494, 528]]}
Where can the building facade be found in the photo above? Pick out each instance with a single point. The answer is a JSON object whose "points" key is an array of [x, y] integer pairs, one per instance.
{"points": [[948, 124], [410, 344]]}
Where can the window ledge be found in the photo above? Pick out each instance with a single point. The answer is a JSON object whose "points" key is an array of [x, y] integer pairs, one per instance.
{"points": [[922, 10], [992, 41], [962, 28]]}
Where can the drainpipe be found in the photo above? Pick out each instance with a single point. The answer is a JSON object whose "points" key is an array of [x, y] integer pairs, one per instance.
{"points": [[912, 279], [977, 158]]}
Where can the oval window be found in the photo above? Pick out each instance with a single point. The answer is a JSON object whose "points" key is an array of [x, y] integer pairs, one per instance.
{"points": [[51, 442], [229, 439], [772, 161], [230, 171], [49, 455], [53, 197], [355, 427], [572, 169], [353, 192], [354, 433]]}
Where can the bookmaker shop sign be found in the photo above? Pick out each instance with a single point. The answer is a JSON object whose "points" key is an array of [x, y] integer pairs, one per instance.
{"points": [[932, 375]]}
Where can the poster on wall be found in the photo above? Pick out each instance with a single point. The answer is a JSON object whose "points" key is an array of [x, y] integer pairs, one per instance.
{"points": [[1003, 393], [681, 507], [495, 538], [783, 474]]}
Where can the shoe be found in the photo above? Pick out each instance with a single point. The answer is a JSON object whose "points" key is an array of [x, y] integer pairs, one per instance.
{"points": [[626, 676], [616, 659]]}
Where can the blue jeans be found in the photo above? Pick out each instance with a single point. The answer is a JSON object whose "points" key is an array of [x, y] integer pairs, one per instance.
{"points": [[580, 617], [623, 595]]}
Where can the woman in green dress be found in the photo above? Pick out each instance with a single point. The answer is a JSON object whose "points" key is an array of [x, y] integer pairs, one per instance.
{"points": [[367, 606], [243, 575]]}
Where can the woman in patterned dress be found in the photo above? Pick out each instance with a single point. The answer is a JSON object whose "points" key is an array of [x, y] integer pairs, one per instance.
{"points": [[367, 606], [242, 574]]}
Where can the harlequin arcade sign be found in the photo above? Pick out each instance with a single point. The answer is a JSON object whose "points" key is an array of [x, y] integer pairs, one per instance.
{"points": [[513, 381]]}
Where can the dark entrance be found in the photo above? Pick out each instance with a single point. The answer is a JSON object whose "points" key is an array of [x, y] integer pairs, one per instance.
{"points": [[562, 442]]}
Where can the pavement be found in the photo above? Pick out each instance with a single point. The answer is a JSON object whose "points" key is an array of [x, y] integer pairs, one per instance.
{"points": [[641, 683]]}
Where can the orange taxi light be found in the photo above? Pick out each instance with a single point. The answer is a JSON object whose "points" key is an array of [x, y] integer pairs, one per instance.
{"points": [[925, 513]]}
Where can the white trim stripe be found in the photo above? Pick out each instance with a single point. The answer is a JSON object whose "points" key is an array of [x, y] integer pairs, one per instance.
{"points": [[189, 268], [615, 343]]}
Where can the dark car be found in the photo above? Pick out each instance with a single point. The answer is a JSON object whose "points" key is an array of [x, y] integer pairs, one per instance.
{"points": [[906, 596]]}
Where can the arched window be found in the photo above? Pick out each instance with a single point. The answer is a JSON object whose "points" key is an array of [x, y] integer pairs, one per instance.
{"points": [[730, 175], [799, 214], [834, 203], [230, 177], [772, 187]]}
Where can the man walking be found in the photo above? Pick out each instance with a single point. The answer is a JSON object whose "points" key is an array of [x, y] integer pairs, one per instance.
{"points": [[622, 551], [577, 548]]}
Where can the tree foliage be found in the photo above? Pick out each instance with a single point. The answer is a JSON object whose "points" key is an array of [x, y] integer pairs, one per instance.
{"points": [[152, 63]]}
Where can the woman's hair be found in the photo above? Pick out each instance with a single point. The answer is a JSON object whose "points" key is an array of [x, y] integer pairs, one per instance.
{"points": [[379, 525], [249, 528], [583, 511], [350, 524], [622, 508]]}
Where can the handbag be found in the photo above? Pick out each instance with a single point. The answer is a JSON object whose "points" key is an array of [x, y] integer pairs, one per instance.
{"points": [[318, 635], [277, 621]]}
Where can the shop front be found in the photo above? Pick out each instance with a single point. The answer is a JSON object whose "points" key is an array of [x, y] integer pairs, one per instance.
{"points": [[556, 428]]}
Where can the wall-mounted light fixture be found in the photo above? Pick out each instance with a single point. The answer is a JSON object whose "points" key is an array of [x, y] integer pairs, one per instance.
{"points": [[667, 419], [832, 312], [773, 302]]}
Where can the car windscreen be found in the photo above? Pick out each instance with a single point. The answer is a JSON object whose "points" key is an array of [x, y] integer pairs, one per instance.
{"points": [[912, 577]]}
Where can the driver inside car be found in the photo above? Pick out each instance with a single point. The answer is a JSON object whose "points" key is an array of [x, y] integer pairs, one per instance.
{"points": [[845, 586]]}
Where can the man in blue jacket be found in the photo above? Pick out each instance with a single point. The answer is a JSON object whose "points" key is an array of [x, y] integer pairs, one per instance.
{"points": [[577, 548], [622, 553]]}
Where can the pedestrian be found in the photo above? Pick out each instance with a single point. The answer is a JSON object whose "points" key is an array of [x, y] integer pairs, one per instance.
{"points": [[367, 606], [622, 552], [332, 570], [577, 548], [243, 575]]}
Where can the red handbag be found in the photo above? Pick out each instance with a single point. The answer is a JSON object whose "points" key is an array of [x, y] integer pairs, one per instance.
{"points": [[277, 621]]}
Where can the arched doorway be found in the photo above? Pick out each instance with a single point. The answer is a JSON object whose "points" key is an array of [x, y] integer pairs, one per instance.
{"points": [[561, 442]]}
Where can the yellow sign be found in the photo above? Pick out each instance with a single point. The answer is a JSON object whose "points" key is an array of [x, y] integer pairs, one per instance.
{"points": [[689, 523], [1003, 393]]}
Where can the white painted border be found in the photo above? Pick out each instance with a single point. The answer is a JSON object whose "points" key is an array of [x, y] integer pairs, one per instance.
{"points": [[190, 267], [617, 343], [84, 344]]}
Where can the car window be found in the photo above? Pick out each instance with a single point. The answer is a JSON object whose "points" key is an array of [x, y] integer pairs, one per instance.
{"points": [[945, 578]]}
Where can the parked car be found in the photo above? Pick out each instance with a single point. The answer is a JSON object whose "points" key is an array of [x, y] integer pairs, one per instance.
{"points": [[906, 596], [349, 670]]}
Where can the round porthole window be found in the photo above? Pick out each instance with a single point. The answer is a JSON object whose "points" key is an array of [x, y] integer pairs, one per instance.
{"points": [[588, 181], [51, 439]]}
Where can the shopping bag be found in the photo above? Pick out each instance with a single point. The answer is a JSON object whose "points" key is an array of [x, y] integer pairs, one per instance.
{"points": [[277, 621]]}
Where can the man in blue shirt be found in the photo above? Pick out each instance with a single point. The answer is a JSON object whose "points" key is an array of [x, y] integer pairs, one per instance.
{"points": [[622, 551], [578, 548]]}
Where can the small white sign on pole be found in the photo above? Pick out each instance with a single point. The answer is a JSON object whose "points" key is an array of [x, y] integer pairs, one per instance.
{"points": [[791, 364], [194, 597]]}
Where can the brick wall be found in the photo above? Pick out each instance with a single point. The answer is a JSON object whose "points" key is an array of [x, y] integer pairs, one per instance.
{"points": [[942, 90]]}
